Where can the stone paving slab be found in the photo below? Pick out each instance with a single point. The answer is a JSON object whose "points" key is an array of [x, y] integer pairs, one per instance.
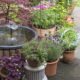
{"points": [[68, 71]]}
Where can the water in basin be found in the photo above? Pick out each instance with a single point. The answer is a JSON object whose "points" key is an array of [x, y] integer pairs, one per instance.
{"points": [[9, 37]]}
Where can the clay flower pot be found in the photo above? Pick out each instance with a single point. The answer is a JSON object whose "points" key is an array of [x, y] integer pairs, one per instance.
{"points": [[51, 68], [43, 32], [68, 56], [2, 17]]}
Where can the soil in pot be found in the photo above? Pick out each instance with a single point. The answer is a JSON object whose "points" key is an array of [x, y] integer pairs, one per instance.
{"points": [[68, 56], [33, 63], [51, 68]]}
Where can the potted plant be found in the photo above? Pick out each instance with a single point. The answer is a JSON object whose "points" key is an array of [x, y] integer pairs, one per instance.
{"points": [[44, 22], [36, 60], [54, 51], [70, 41], [45, 19], [34, 53]]}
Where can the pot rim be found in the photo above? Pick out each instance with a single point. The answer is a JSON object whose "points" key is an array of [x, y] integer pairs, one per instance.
{"points": [[45, 29], [41, 67], [70, 51], [53, 62]]}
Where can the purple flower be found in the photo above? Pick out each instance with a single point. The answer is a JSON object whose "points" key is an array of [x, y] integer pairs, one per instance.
{"points": [[13, 65], [41, 6]]}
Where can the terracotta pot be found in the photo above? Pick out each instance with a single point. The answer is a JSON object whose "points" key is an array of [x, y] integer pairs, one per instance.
{"points": [[2, 17], [43, 32], [51, 68], [33, 63], [68, 56]]}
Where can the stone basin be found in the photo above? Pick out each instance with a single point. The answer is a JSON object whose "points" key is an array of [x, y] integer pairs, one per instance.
{"points": [[12, 39]]}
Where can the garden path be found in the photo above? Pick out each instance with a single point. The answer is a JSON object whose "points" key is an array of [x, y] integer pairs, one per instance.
{"points": [[76, 15]]}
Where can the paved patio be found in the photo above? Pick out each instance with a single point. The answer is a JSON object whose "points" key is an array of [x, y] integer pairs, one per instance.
{"points": [[70, 71]]}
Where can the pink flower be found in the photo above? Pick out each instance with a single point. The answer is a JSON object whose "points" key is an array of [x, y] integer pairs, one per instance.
{"points": [[69, 19], [42, 6]]}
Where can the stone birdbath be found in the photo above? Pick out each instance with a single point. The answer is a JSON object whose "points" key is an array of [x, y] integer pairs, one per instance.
{"points": [[12, 37]]}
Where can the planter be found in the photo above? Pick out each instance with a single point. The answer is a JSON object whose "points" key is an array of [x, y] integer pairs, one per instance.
{"points": [[35, 73], [3, 73], [43, 32], [2, 17], [68, 56], [51, 68]]}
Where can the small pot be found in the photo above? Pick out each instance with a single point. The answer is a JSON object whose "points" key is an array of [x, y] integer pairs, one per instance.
{"points": [[3, 73], [68, 56], [33, 63], [43, 32], [51, 68]]}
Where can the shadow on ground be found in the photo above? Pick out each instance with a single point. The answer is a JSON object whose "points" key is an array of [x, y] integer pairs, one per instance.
{"points": [[67, 71]]}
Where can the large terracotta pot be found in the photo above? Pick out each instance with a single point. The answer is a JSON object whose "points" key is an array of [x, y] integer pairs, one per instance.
{"points": [[43, 32], [51, 68], [68, 56]]}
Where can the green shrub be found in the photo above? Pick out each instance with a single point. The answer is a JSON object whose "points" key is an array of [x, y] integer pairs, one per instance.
{"points": [[50, 17], [34, 51], [69, 38], [54, 50]]}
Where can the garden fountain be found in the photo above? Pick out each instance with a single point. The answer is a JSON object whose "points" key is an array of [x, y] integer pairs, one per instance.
{"points": [[13, 36]]}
